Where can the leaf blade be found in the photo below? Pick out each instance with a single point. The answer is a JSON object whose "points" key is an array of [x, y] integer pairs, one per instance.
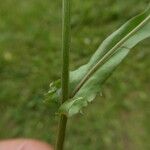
{"points": [[92, 86]]}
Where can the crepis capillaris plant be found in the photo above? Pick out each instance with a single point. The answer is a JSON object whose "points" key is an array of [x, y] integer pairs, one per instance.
{"points": [[81, 86]]}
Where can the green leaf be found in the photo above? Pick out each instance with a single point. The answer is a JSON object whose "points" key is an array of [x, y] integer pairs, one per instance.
{"points": [[53, 94], [86, 82], [73, 106]]}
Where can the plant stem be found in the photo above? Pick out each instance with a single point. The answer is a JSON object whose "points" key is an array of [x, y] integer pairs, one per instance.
{"points": [[66, 38]]}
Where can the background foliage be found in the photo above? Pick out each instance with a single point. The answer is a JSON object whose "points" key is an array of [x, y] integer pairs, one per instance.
{"points": [[30, 58]]}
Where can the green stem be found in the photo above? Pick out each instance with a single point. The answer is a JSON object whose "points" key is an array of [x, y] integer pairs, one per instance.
{"points": [[66, 38]]}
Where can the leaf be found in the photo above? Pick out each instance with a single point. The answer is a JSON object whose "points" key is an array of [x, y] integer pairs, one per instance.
{"points": [[72, 107], [52, 97], [87, 81], [53, 94]]}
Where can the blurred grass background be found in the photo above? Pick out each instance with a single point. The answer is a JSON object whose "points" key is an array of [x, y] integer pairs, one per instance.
{"points": [[30, 58]]}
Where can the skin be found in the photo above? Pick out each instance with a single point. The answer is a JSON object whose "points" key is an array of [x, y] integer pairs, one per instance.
{"points": [[24, 144]]}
